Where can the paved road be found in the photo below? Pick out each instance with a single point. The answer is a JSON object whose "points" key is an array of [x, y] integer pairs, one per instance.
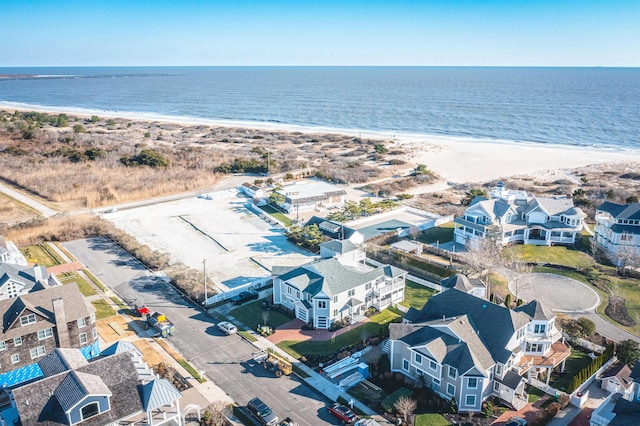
{"points": [[225, 359], [44, 210]]}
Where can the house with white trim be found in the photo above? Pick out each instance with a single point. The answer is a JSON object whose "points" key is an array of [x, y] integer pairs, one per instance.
{"points": [[620, 408], [18, 280], [9, 253], [306, 195], [519, 217], [617, 230], [467, 348], [337, 286]]}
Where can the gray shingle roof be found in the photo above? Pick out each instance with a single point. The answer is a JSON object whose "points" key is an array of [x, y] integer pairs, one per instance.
{"points": [[495, 323], [40, 302], [76, 386], [340, 246], [157, 393], [536, 311], [511, 379], [621, 211], [25, 275], [553, 206], [461, 282], [332, 277], [61, 360], [36, 406], [121, 346]]}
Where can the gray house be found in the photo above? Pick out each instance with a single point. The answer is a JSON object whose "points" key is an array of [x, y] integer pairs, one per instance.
{"points": [[338, 287], [108, 390], [468, 348]]}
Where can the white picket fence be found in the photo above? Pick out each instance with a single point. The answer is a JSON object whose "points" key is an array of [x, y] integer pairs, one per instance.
{"points": [[410, 277]]}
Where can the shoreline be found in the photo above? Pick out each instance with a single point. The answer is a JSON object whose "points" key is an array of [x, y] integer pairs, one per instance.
{"points": [[456, 159]]}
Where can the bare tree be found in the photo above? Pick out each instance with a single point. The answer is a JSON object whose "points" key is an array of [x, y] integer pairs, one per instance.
{"points": [[484, 255], [520, 270], [628, 255], [216, 414], [405, 406], [372, 356], [265, 317]]}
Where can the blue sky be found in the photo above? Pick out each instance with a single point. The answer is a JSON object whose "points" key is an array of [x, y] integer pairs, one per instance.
{"points": [[243, 32]]}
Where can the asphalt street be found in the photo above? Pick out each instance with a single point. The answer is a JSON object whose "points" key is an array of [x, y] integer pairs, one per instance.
{"points": [[227, 360]]}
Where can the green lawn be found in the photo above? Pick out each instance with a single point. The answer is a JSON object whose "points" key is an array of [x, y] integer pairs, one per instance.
{"points": [[442, 233], [103, 309], [277, 214], [558, 255], [83, 285], [40, 255], [431, 419], [317, 347], [94, 279], [535, 394], [251, 315], [576, 362], [416, 295]]}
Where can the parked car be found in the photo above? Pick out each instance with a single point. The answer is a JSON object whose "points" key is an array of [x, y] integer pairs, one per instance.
{"points": [[244, 296], [262, 412], [343, 413], [227, 327], [516, 421]]}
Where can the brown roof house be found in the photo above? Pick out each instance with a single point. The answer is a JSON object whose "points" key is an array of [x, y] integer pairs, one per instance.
{"points": [[35, 324], [108, 390]]}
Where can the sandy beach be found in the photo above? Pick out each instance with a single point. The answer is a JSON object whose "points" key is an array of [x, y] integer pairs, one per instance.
{"points": [[456, 160]]}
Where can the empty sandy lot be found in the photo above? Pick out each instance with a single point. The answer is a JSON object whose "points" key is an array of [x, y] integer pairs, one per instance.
{"points": [[238, 246]]}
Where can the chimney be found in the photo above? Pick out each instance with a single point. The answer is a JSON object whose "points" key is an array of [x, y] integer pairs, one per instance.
{"points": [[61, 323]]}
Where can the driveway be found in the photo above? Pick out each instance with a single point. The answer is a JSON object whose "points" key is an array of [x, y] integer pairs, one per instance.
{"points": [[555, 292], [227, 360]]}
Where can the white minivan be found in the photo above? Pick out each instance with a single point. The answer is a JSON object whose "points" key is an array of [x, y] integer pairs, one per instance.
{"points": [[227, 327]]}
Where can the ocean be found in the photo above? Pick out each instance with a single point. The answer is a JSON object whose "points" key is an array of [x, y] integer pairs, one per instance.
{"points": [[598, 107]]}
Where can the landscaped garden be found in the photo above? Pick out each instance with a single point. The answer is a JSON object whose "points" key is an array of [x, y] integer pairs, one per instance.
{"points": [[41, 254], [573, 365], [442, 233], [416, 295], [253, 315]]}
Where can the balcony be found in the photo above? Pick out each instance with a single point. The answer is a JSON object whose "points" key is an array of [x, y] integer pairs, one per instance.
{"points": [[540, 338], [383, 289], [554, 356]]}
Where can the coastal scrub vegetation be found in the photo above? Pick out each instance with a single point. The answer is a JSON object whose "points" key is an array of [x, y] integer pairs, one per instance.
{"points": [[86, 161]]}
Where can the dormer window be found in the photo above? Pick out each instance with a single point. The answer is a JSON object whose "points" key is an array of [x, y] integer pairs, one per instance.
{"points": [[27, 319], [453, 373]]}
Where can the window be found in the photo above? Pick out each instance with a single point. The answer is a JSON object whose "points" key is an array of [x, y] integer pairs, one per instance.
{"points": [[470, 401], [322, 304], [539, 328], [418, 359], [92, 318], [451, 390], [289, 290], [3, 346], [37, 352], [498, 369], [27, 319], [453, 373], [15, 358], [94, 332], [335, 312], [90, 410], [436, 382], [83, 338], [472, 383], [45, 334], [496, 386], [367, 286], [335, 299], [405, 364], [520, 333], [433, 365], [626, 237], [352, 292], [82, 322], [17, 341], [534, 347]]}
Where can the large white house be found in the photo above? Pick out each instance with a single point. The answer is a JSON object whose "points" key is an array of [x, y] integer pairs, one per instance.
{"points": [[9, 253], [518, 216], [337, 286], [617, 230], [17, 280], [467, 348]]}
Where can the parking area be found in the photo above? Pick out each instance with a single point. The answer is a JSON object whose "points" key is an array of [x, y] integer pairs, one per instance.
{"points": [[238, 246]]}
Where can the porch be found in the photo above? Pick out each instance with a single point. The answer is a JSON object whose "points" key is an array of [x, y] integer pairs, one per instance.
{"points": [[556, 355]]}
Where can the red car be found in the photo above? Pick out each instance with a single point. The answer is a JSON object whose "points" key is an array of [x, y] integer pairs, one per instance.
{"points": [[142, 310], [343, 413]]}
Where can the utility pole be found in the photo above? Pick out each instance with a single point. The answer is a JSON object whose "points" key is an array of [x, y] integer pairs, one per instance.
{"points": [[204, 270]]}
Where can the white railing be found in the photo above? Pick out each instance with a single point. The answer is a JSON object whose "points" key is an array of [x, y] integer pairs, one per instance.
{"points": [[543, 387], [221, 297]]}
